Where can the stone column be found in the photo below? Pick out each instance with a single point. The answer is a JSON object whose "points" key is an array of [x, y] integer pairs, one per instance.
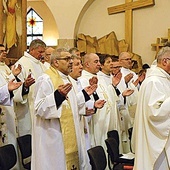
{"points": [[67, 43]]}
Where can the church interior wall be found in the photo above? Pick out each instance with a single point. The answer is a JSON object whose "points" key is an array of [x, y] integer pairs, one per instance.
{"points": [[149, 23], [66, 14]]}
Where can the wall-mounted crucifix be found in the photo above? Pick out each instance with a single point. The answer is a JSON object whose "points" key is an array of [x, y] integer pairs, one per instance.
{"points": [[128, 8]]}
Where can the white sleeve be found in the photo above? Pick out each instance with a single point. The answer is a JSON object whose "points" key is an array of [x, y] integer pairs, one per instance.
{"points": [[45, 105], [5, 96]]}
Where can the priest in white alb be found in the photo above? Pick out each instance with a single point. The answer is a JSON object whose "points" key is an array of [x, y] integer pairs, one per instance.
{"points": [[151, 132], [56, 127], [32, 68]]}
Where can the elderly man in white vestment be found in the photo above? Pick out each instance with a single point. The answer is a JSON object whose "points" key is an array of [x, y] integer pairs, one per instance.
{"points": [[151, 132], [32, 68], [56, 126], [129, 80], [91, 105], [105, 119]]}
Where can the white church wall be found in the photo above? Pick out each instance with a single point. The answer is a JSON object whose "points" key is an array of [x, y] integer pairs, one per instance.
{"points": [[66, 14], [149, 23]]}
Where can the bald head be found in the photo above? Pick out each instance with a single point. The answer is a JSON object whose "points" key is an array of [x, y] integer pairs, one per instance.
{"points": [[91, 63], [125, 60], [48, 53], [124, 55]]}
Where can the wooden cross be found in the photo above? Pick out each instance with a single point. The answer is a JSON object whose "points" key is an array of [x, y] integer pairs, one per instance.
{"points": [[160, 42], [128, 7], [157, 45]]}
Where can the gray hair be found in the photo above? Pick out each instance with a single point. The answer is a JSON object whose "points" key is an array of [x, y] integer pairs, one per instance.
{"points": [[37, 43], [163, 52], [57, 53]]}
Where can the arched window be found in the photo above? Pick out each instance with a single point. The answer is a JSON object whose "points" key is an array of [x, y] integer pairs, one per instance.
{"points": [[34, 26]]}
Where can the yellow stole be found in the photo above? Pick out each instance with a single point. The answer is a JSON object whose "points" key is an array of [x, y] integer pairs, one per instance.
{"points": [[67, 125]]}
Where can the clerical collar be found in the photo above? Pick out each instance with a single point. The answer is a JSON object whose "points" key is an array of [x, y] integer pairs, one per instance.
{"points": [[88, 73], [31, 57], [62, 75], [2, 63], [164, 72], [103, 74], [126, 69]]}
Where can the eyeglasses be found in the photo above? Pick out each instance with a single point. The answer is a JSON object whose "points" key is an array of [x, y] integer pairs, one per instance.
{"points": [[65, 58]]}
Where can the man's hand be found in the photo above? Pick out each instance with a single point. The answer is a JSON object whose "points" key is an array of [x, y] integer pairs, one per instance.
{"points": [[116, 79], [142, 76], [99, 104], [140, 79], [128, 77], [29, 81], [127, 92], [13, 85], [89, 111], [16, 70], [93, 80], [90, 89], [64, 89]]}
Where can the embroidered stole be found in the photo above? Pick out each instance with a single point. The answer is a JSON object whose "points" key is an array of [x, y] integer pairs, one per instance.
{"points": [[67, 125]]}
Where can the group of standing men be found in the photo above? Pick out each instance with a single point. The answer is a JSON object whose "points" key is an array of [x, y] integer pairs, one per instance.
{"points": [[70, 104]]}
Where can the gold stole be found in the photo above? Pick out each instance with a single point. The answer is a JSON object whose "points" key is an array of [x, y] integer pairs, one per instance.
{"points": [[67, 125]]}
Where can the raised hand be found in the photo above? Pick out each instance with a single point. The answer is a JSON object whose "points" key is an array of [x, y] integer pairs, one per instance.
{"points": [[127, 92], [29, 81], [93, 80], [90, 89], [128, 77], [64, 89], [13, 85], [142, 76], [16, 70], [116, 79], [99, 104]]}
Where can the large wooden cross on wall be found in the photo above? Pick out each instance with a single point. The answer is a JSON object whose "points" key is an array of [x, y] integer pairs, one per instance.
{"points": [[128, 8]]}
